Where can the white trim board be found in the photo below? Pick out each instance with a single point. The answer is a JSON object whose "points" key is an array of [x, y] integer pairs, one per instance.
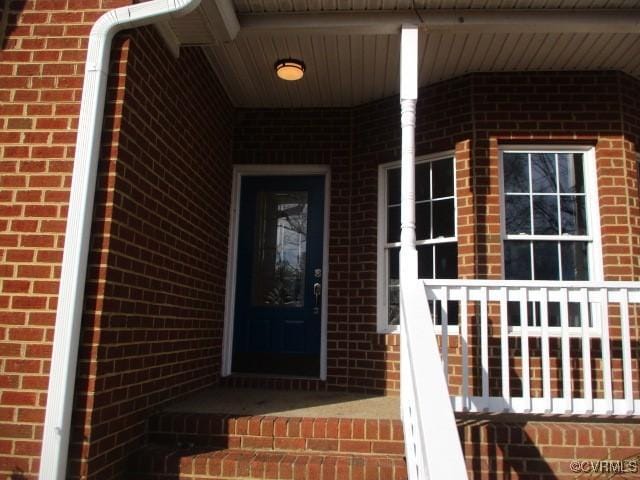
{"points": [[240, 171]]}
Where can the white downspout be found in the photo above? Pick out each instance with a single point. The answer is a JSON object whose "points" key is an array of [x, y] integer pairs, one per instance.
{"points": [[57, 424]]}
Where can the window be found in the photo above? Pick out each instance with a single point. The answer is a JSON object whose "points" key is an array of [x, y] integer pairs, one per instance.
{"points": [[549, 220], [436, 240]]}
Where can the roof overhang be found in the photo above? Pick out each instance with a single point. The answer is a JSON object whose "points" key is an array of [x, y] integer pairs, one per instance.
{"points": [[352, 56]]}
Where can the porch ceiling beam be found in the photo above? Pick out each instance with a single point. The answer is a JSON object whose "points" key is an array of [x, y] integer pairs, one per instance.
{"points": [[495, 21], [221, 19]]}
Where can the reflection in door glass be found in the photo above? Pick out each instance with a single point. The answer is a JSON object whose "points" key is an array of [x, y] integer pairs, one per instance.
{"points": [[280, 248]]}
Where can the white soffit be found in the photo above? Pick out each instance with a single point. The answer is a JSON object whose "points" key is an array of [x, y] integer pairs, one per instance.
{"points": [[349, 69], [272, 6]]}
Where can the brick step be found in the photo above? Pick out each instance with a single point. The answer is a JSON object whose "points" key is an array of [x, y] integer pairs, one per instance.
{"points": [[267, 433], [165, 463]]}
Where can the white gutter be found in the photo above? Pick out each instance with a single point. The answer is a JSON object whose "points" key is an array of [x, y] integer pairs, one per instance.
{"points": [[385, 22], [57, 424]]}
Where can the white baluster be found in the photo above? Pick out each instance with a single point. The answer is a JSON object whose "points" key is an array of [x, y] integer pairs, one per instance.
{"points": [[524, 343], [504, 347], [444, 308], [464, 335], [566, 353], [484, 348], [606, 351], [626, 352], [546, 367], [586, 349]]}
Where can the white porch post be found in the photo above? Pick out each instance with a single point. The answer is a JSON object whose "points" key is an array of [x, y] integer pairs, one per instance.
{"points": [[408, 252], [408, 98]]}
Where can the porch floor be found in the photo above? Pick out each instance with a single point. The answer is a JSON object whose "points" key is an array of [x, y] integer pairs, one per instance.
{"points": [[289, 403]]}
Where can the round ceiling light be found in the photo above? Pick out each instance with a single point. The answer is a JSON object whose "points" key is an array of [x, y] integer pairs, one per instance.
{"points": [[289, 69]]}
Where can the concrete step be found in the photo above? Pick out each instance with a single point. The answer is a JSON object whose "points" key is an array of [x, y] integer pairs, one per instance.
{"points": [[275, 433], [166, 463]]}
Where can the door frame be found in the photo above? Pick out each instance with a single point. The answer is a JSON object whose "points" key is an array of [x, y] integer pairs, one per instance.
{"points": [[239, 172]]}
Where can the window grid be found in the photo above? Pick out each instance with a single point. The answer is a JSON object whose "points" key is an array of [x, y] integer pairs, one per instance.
{"points": [[532, 236], [430, 239], [562, 237]]}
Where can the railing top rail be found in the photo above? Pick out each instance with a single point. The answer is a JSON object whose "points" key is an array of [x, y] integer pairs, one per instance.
{"points": [[425, 387], [532, 284]]}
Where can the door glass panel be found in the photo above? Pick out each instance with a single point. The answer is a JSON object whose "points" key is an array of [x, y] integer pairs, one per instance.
{"points": [[280, 249]]}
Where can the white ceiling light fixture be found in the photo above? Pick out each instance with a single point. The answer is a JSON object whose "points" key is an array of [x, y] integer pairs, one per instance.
{"points": [[289, 69]]}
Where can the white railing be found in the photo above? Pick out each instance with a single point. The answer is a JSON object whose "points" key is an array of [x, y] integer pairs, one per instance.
{"points": [[539, 347], [432, 444]]}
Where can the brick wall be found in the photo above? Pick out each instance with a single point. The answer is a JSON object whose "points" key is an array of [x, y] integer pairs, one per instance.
{"points": [[630, 105], [41, 73], [154, 296], [472, 115], [548, 109], [517, 448], [155, 300], [312, 136]]}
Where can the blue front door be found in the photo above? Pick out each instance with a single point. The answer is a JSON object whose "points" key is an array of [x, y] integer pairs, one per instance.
{"points": [[278, 303]]}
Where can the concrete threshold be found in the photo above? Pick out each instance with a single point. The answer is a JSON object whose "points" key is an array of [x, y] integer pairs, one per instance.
{"points": [[289, 403]]}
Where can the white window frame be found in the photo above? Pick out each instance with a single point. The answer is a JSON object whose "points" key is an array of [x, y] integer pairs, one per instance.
{"points": [[592, 206], [382, 270]]}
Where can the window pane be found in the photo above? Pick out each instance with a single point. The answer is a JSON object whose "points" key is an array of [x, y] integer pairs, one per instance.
{"points": [[442, 172], [574, 315], [513, 314], [553, 310], [517, 260], [543, 173], [575, 265], [393, 224], [438, 312], [423, 221], [394, 262], [393, 186], [394, 303], [516, 172], [570, 171], [545, 215], [518, 211], [573, 214], [446, 260], [443, 218], [422, 182], [545, 261], [425, 261]]}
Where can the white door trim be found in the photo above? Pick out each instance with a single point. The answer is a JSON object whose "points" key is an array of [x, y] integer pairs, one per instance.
{"points": [[240, 171]]}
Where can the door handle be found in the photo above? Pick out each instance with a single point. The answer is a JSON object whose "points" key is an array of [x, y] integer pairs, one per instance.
{"points": [[317, 292]]}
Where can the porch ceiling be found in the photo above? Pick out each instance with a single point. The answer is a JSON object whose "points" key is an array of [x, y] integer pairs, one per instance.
{"points": [[350, 65]]}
